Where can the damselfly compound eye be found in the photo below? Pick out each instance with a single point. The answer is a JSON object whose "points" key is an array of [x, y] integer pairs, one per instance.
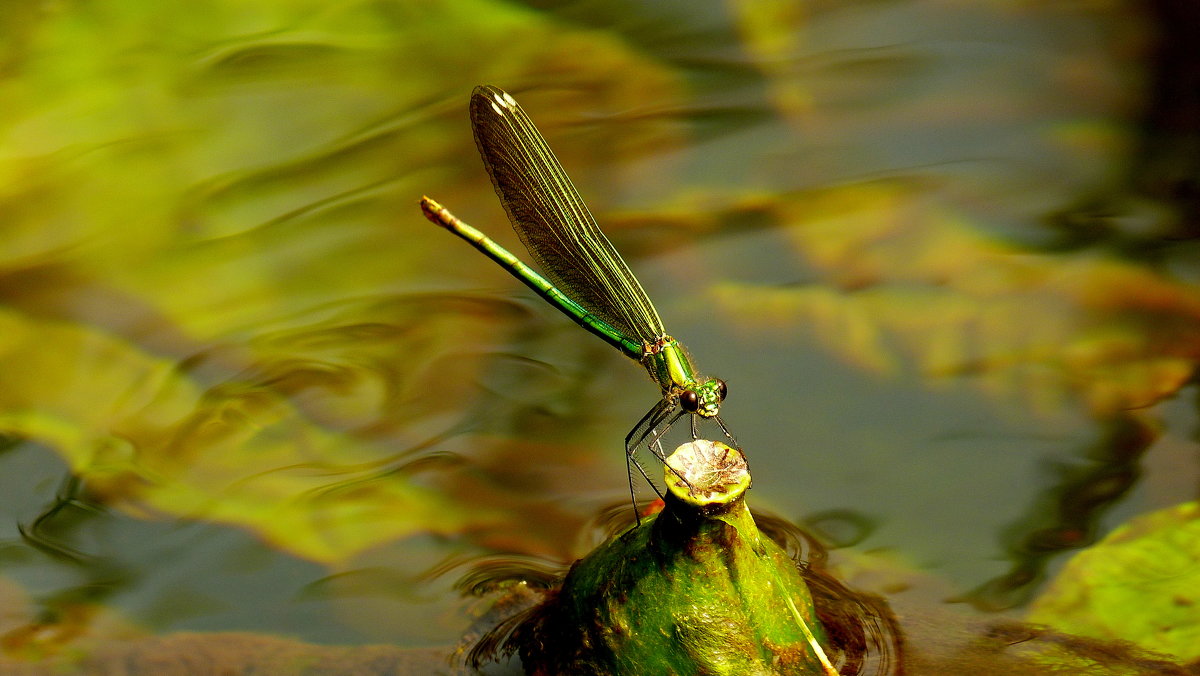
{"points": [[690, 401]]}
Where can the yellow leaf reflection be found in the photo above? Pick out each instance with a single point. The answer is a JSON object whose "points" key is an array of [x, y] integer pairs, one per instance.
{"points": [[214, 279], [245, 451], [904, 278], [774, 32]]}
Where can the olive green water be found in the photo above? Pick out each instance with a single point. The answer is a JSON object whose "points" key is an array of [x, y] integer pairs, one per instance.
{"points": [[247, 387]]}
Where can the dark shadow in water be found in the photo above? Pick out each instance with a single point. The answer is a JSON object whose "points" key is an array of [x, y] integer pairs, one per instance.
{"points": [[51, 534], [1167, 161], [1067, 516], [1154, 206]]}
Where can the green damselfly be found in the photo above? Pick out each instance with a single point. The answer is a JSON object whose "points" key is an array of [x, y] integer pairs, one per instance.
{"points": [[584, 276]]}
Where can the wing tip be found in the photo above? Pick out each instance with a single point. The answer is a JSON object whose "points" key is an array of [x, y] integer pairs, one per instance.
{"points": [[494, 96]]}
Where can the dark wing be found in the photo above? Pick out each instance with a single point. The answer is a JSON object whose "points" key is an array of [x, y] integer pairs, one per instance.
{"points": [[552, 220]]}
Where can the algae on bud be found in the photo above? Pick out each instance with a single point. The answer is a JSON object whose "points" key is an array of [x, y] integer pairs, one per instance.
{"points": [[696, 590]]}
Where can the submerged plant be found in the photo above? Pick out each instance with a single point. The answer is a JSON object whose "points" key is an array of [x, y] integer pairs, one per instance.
{"points": [[700, 588]]}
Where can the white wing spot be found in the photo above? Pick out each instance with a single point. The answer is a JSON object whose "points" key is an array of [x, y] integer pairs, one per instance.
{"points": [[497, 108], [508, 99]]}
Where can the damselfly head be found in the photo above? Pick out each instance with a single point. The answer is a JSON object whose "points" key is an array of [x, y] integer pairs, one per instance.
{"points": [[705, 399]]}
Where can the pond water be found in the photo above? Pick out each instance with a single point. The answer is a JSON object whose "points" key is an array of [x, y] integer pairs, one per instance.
{"points": [[246, 387]]}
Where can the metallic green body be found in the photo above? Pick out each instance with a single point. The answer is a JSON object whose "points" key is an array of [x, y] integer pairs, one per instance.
{"points": [[670, 366], [540, 285]]}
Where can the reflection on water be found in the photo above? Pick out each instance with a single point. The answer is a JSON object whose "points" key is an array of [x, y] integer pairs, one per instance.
{"points": [[941, 252], [1068, 516]]}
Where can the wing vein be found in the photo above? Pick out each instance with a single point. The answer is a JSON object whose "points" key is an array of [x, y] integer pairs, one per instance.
{"points": [[552, 220]]}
